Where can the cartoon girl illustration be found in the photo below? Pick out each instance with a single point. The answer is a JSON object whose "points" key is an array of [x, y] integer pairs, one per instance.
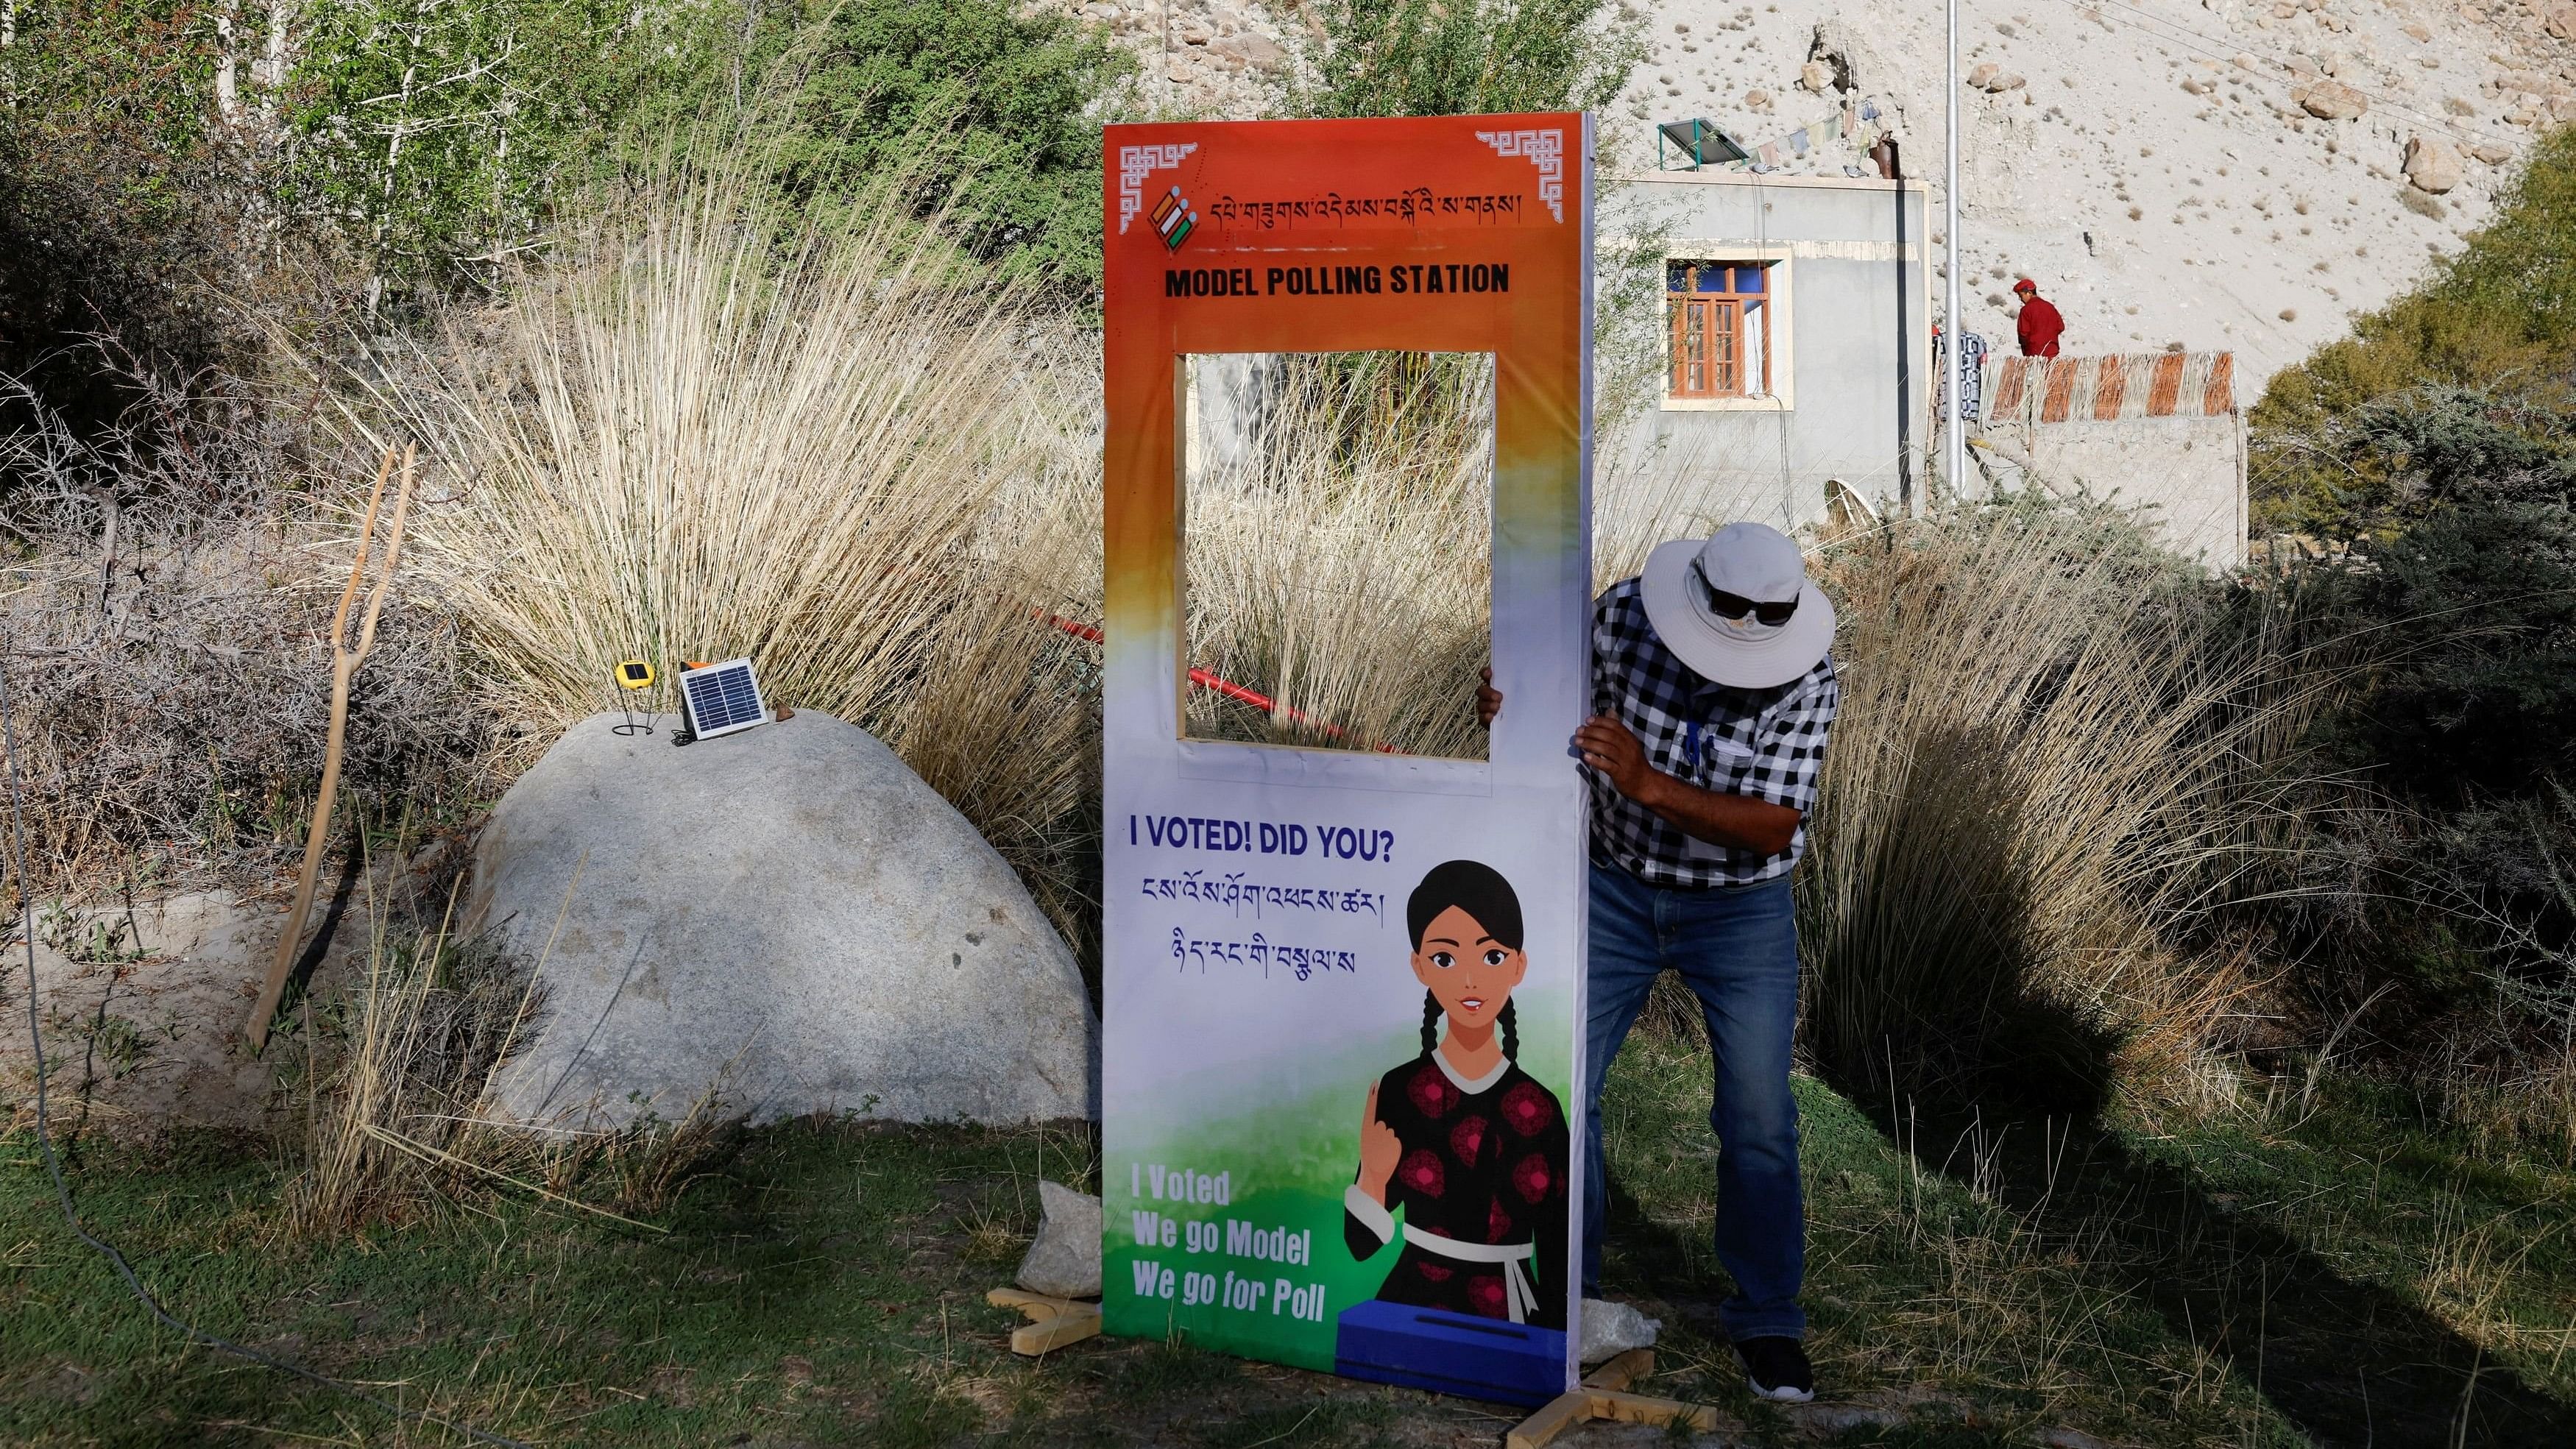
{"points": [[1471, 1147]]}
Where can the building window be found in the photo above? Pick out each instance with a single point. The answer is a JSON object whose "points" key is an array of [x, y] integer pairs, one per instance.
{"points": [[1719, 314]]}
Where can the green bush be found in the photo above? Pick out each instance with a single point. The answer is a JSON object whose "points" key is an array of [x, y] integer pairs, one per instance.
{"points": [[443, 135], [2480, 602], [2441, 438], [982, 101], [120, 207], [1438, 58], [2499, 315], [436, 137]]}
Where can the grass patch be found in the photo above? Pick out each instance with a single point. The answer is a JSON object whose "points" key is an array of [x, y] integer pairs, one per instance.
{"points": [[2364, 1179], [1972, 1282], [1930, 1295], [827, 1287]]}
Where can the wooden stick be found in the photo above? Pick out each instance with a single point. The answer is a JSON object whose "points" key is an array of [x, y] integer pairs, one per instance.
{"points": [[1033, 1306], [346, 656], [1621, 1371], [1638, 1409], [1053, 1322], [1056, 1332], [1603, 1396], [1542, 1428]]}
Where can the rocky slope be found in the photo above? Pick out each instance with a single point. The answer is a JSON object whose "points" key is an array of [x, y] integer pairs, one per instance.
{"points": [[2219, 175], [2237, 174]]}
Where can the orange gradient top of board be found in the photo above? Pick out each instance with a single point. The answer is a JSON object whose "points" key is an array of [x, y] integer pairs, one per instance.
{"points": [[1439, 234]]}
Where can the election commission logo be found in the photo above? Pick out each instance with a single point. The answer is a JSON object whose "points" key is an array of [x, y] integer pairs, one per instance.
{"points": [[1173, 220]]}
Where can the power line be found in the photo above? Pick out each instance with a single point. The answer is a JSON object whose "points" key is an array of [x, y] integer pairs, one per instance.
{"points": [[54, 1167]]}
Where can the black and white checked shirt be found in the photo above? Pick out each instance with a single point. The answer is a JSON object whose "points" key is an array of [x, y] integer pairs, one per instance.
{"points": [[1768, 744]]}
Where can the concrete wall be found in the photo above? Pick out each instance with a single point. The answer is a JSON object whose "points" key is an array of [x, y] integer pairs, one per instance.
{"points": [[2160, 431], [2186, 474], [1849, 381]]}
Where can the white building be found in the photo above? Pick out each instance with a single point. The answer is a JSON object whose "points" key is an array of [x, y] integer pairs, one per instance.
{"points": [[1798, 356], [1798, 325]]}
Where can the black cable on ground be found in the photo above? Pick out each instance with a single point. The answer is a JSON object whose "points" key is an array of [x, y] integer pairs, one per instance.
{"points": [[54, 1167]]}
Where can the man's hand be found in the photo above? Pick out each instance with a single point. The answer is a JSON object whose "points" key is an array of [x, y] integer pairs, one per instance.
{"points": [[1608, 746], [1489, 700], [1738, 821]]}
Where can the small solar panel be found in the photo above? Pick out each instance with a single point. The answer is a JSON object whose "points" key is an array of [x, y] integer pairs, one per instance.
{"points": [[722, 698]]}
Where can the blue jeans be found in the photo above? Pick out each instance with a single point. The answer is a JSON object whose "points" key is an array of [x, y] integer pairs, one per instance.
{"points": [[1737, 950]]}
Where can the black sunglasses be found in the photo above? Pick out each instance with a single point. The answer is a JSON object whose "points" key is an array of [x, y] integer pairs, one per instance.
{"points": [[1735, 606]]}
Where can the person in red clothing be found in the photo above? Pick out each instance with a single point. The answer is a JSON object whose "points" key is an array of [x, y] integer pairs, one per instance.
{"points": [[2040, 324]]}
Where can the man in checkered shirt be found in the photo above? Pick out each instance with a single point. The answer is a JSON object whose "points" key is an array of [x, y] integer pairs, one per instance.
{"points": [[1712, 695]]}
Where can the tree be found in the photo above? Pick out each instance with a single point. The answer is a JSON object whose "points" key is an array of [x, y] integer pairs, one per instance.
{"points": [[1435, 58]]}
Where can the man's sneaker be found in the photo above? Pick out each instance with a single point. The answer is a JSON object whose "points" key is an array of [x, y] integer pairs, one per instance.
{"points": [[1778, 1369]]}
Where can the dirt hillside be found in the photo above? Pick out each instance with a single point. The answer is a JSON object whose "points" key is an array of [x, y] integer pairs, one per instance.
{"points": [[2227, 174]]}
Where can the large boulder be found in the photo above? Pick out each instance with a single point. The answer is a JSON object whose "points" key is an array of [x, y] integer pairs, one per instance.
{"points": [[786, 918], [2431, 166]]}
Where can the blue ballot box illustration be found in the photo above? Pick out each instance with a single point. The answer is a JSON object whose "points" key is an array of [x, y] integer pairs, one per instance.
{"points": [[1450, 1353]]}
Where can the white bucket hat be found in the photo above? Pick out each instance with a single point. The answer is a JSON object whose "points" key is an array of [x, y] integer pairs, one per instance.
{"points": [[1750, 561]]}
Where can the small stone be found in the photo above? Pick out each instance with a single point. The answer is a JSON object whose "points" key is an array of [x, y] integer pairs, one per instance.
{"points": [[1757, 100], [2289, 314], [2491, 154], [1260, 51], [2244, 61], [1611, 1329], [2561, 22], [1983, 72], [1064, 1259], [1816, 76], [2417, 33], [2330, 100], [2197, 87]]}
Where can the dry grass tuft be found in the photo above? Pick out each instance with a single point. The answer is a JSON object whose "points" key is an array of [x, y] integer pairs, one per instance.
{"points": [[1337, 554], [710, 429], [393, 1096], [393, 1073], [2048, 771]]}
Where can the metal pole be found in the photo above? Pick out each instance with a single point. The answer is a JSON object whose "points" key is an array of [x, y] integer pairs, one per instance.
{"points": [[1954, 359]]}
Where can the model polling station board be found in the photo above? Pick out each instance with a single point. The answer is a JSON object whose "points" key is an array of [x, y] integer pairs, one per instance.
{"points": [[1343, 988]]}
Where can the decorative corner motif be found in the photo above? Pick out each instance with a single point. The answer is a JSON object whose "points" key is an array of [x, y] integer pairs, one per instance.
{"points": [[1135, 163], [1544, 150]]}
